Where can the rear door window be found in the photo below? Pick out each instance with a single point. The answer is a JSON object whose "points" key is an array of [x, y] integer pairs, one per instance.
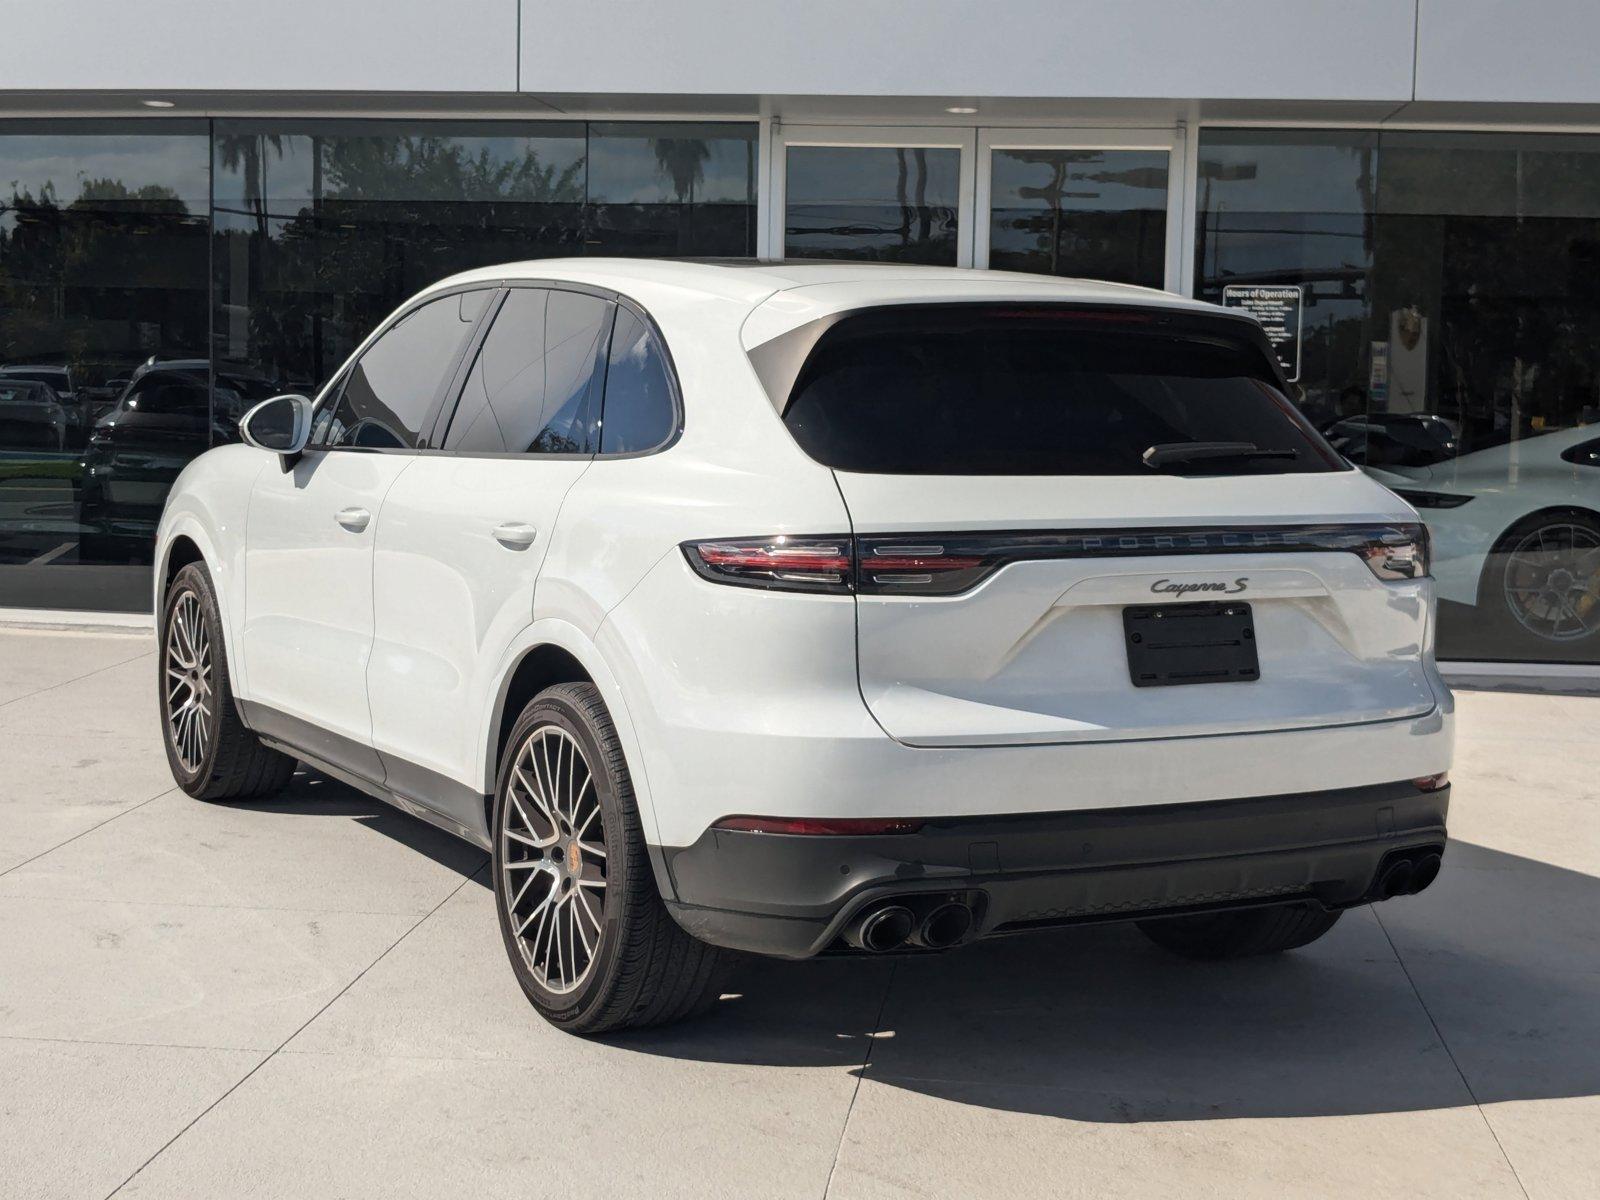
{"points": [[531, 387], [1035, 390]]}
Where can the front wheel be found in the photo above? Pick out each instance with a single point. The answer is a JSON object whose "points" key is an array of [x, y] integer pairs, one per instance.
{"points": [[589, 939], [211, 753], [1241, 932]]}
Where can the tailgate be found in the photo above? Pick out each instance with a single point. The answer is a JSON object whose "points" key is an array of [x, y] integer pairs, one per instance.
{"points": [[1037, 650]]}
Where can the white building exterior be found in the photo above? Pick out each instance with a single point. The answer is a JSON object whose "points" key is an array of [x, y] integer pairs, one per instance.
{"points": [[1315, 145]]}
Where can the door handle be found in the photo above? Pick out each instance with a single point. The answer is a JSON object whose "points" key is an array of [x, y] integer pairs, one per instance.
{"points": [[515, 535], [353, 519]]}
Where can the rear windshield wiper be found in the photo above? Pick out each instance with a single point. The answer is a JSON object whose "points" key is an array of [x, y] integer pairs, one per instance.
{"points": [[1163, 453]]}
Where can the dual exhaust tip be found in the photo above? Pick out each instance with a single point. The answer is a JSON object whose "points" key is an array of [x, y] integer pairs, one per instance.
{"points": [[1406, 874], [890, 926]]}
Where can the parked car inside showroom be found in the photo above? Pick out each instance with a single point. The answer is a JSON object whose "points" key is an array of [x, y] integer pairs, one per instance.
{"points": [[1516, 531], [801, 609]]}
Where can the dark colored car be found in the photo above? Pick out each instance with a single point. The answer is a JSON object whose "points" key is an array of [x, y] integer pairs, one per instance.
{"points": [[164, 418]]}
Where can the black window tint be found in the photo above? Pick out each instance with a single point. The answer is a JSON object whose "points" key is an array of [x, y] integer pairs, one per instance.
{"points": [[529, 391], [506, 383], [575, 328], [390, 390], [638, 413], [990, 390]]}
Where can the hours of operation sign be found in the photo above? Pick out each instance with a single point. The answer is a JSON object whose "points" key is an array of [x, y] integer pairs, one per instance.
{"points": [[1278, 308]]}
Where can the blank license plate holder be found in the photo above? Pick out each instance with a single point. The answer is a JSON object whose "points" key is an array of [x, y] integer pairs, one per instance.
{"points": [[1174, 644]]}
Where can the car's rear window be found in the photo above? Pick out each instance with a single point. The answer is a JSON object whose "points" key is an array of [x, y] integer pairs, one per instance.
{"points": [[1034, 390]]}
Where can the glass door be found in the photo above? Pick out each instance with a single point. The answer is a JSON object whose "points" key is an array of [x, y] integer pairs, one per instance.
{"points": [[873, 194], [1095, 204]]}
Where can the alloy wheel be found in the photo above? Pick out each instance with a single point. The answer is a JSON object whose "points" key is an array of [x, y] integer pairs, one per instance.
{"points": [[189, 682], [553, 859], [1552, 581]]}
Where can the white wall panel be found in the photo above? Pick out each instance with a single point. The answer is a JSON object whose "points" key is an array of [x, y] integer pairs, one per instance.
{"points": [[1305, 49], [281, 45], [1542, 51]]}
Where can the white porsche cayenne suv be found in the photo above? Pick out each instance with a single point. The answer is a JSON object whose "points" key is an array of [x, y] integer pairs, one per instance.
{"points": [[809, 609]]}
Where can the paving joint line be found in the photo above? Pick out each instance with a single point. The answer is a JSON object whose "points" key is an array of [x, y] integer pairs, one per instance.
{"points": [[86, 832], [1450, 1054], [872, 1041], [165, 1146], [331, 910], [61, 1041], [145, 653]]}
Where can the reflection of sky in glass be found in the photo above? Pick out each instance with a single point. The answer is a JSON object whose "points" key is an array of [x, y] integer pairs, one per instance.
{"points": [[1092, 180], [176, 162], [870, 175], [1285, 171]]}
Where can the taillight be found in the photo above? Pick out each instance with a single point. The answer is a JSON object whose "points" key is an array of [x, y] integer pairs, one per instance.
{"points": [[896, 565], [1432, 783], [803, 564], [944, 564], [1401, 553]]}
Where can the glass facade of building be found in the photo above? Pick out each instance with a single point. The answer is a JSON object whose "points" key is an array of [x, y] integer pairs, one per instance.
{"points": [[157, 280], [1449, 341], [1437, 290]]}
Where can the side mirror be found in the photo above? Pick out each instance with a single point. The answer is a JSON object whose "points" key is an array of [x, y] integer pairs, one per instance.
{"points": [[281, 425]]}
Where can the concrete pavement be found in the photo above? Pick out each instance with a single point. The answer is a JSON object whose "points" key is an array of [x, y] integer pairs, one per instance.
{"points": [[309, 998]]}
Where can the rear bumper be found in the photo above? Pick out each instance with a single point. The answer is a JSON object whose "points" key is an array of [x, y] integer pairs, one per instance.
{"points": [[791, 895]]}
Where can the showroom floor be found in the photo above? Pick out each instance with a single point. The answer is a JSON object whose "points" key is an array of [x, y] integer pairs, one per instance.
{"points": [[309, 998]]}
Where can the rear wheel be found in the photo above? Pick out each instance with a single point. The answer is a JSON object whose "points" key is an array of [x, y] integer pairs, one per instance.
{"points": [[211, 753], [588, 937], [1240, 933]]}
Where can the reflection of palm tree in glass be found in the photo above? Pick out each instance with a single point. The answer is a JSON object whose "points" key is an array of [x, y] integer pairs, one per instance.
{"points": [[683, 160], [249, 152]]}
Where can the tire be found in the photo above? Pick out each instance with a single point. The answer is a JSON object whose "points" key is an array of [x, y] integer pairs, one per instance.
{"points": [[1565, 616], [590, 942], [211, 753], [1241, 933]]}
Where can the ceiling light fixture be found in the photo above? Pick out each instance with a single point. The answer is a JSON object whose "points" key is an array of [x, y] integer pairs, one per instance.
{"points": [[157, 103], [962, 110]]}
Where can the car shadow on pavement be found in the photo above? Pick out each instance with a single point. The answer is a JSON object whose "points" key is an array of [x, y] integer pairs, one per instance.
{"points": [[311, 793], [1484, 988], [1500, 960]]}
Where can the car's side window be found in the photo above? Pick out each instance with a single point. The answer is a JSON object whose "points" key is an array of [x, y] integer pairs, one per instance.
{"points": [[532, 387], [639, 412], [388, 394]]}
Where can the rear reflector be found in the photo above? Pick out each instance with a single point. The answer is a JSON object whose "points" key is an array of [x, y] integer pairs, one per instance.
{"points": [[1432, 783], [825, 826]]}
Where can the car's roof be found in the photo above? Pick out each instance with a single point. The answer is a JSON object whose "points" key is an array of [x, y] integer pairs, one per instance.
{"points": [[753, 280]]}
